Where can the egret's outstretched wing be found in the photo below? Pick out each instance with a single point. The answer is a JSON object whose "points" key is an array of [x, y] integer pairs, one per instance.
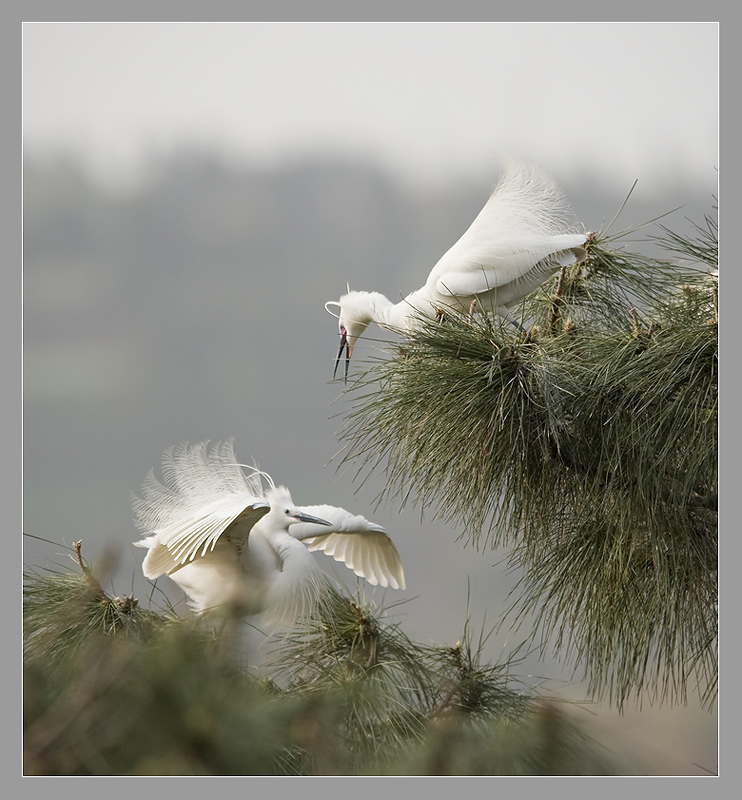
{"points": [[230, 518], [205, 496], [361, 545], [370, 554]]}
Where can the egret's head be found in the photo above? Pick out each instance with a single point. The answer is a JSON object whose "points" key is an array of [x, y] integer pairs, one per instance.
{"points": [[353, 312], [284, 512]]}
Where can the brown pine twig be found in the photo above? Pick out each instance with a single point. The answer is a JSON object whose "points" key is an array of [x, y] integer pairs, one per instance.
{"points": [[90, 579]]}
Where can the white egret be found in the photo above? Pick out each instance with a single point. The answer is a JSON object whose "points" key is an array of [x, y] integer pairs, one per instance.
{"points": [[518, 240], [235, 547]]}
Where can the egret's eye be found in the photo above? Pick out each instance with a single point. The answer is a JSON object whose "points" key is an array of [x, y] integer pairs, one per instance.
{"points": [[287, 511]]}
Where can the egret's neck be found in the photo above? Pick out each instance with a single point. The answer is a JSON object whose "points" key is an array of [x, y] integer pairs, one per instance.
{"points": [[383, 312], [416, 304]]}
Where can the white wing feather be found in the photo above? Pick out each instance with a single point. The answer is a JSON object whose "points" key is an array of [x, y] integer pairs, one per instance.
{"points": [[361, 545]]}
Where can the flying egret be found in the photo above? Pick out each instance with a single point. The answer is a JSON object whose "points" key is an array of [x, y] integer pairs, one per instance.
{"points": [[517, 241], [236, 547]]}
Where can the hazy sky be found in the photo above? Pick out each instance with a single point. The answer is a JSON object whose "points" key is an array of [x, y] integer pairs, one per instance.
{"points": [[624, 99]]}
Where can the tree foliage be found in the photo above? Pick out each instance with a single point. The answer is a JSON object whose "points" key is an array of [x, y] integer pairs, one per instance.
{"points": [[588, 446], [113, 689]]}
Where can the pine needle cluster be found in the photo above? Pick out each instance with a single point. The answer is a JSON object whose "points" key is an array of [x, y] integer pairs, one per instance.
{"points": [[112, 689], [588, 446]]}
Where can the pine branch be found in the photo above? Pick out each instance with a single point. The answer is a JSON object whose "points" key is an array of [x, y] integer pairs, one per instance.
{"points": [[588, 446], [347, 694]]}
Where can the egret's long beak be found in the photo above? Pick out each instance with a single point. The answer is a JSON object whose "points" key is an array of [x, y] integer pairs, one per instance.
{"points": [[348, 352], [302, 517]]}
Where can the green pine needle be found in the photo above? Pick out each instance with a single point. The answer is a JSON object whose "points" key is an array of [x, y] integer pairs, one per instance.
{"points": [[589, 446]]}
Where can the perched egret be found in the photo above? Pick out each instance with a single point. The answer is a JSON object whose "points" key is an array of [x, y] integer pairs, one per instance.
{"points": [[518, 240], [235, 547]]}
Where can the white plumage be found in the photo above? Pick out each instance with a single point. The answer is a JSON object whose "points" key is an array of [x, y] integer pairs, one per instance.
{"points": [[237, 547], [361, 545], [518, 240]]}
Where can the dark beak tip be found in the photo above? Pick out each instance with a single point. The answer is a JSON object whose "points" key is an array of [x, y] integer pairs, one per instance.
{"points": [[343, 344]]}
